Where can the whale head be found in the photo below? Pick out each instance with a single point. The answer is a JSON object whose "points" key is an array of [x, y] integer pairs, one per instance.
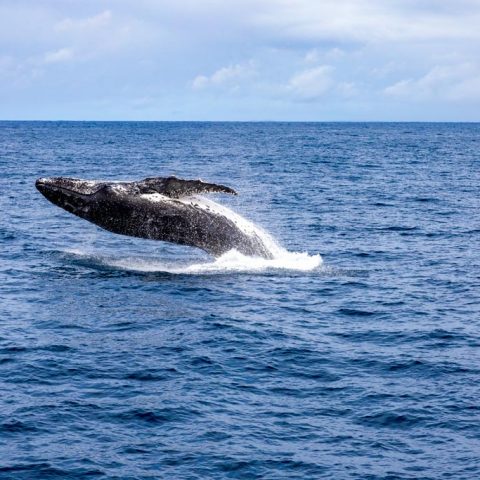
{"points": [[80, 197], [73, 195]]}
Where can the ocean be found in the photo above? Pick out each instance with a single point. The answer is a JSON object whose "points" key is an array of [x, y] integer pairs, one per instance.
{"points": [[355, 354]]}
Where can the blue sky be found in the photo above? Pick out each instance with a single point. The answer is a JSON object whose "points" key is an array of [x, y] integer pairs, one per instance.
{"points": [[240, 60]]}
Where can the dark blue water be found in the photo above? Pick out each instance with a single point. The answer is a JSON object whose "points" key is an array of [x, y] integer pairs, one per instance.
{"points": [[366, 367]]}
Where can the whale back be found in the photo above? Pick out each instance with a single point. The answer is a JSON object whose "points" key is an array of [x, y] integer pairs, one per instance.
{"points": [[174, 187]]}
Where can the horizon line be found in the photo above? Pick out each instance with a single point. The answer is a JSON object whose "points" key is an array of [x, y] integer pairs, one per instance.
{"points": [[236, 121]]}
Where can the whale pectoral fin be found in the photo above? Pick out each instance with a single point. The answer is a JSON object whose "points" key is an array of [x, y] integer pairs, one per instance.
{"points": [[176, 187]]}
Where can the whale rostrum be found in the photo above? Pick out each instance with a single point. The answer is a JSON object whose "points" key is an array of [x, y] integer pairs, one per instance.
{"points": [[157, 208]]}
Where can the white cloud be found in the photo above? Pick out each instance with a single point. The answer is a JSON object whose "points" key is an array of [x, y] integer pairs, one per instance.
{"points": [[108, 35], [312, 56], [347, 89], [58, 56], [199, 82], [96, 21], [401, 88], [367, 21], [335, 53], [231, 76], [315, 55], [447, 82], [312, 83]]}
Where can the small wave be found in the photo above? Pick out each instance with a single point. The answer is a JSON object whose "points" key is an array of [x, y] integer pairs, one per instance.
{"points": [[46, 470], [232, 261], [394, 420]]}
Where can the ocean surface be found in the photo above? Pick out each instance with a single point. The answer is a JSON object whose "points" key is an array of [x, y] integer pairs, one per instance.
{"points": [[354, 355]]}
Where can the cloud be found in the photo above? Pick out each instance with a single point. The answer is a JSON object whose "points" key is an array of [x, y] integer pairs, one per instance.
{"points": [[312, 83], [315, 55], [347, 89], [58, 56], [106, 35], [231, 75], [100, 20], [266, 59], [369, 21], [200, 81], [443, 82], [312, 56]]}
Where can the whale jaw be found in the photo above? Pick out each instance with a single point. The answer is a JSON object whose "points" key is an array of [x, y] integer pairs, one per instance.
{"points": [[69, 194]]}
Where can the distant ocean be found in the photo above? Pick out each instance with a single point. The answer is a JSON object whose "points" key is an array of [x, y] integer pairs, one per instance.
{"points": [[357, 356]]}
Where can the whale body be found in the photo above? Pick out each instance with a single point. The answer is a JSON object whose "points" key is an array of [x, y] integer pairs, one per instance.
{"points": [[160, 208]]}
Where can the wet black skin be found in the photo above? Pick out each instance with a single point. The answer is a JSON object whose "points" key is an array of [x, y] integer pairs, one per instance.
{"points": [[120, 208]]}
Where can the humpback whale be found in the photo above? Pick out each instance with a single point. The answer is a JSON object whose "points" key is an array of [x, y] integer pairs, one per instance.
{"points": [[160, 208]]}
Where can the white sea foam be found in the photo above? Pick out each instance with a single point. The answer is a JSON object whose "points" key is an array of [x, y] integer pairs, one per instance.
{"points": [[232, 261]]}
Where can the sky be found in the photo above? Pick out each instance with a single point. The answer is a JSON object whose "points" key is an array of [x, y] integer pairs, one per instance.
{"points": [[293, 60]]}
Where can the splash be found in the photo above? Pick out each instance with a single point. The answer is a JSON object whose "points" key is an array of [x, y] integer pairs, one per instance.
{"points": [[232, 261]]}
